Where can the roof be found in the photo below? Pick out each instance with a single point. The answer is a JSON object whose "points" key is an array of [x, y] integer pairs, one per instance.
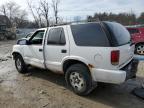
{"points": [[73, 23]]}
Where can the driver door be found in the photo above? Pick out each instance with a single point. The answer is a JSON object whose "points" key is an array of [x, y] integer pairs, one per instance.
{"points": [[33, 53]]}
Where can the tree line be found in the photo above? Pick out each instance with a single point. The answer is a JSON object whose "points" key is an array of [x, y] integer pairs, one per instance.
{"points": [[40, 12], [123, 18]]}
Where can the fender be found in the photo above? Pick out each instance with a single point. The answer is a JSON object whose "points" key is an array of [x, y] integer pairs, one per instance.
{"points": [[140, 42], [77, 58], [18, 49]]}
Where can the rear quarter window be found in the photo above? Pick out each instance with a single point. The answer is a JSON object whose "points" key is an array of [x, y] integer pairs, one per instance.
{"points": [[119, 34], [89, 35]]}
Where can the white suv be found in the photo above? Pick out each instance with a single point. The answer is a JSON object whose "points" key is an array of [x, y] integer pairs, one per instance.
{"points": [[84, 53]]}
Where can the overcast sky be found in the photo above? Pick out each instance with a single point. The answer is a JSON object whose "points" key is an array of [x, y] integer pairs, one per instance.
{"points": [[71, 8]]}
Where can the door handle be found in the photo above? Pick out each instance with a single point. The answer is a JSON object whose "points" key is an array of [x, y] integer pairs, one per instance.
{"points": [[63, 51], [40, 50]]}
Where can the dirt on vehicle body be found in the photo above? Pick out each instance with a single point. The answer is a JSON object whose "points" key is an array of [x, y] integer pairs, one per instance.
{"points": [[44, 89]]}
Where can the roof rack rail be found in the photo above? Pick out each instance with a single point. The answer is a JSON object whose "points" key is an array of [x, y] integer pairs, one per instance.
{"points": [[76, 22], [53, 25]]}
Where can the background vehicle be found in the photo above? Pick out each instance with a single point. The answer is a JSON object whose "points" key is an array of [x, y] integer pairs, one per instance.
{"points": [[137, 35], [6, 34], [85, 53]]}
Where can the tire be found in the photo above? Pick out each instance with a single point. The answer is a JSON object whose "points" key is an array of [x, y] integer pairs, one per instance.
{"points": [[139, 49], [2, 37], [79, 79], [20, 64], [13, 37]]}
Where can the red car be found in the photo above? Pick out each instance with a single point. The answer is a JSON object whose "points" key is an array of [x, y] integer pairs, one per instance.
{"points": [[137, 35]]}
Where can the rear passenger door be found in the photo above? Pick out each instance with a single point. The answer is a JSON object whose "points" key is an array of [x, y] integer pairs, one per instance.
{"points": [[56, 48]]}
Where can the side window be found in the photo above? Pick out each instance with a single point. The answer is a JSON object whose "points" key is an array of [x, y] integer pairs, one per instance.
{"points": [[37, 38], [90, 34], [56, 36]]}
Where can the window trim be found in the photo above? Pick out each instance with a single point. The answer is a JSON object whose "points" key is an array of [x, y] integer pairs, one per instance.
{"points": [[114, 39], [59, 43], [33, 35]]}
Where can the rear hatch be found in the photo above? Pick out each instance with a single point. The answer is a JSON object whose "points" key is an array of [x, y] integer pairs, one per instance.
{"points": [[120, 40], [126, 54]]}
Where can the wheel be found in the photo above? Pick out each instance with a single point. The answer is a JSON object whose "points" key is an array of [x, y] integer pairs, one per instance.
{"points": [[2, 37], [140, 49], [13, 37], [20, 64], [79, 79]]}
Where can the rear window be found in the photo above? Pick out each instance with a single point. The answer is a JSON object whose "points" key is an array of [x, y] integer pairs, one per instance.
{"points": [[120, 35], [133, 31], [89, 35]]}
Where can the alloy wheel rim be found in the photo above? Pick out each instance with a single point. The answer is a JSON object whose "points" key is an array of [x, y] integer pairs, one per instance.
{"points": [[140, 49], [13, 36], [77, 81], [18, 63], [2, 37]]}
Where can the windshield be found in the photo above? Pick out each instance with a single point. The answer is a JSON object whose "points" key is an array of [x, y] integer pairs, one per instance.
{"points": [[119, 33], [29, 35]]}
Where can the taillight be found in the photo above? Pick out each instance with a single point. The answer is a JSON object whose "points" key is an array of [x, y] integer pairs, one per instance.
{"points": [[115, 57]]}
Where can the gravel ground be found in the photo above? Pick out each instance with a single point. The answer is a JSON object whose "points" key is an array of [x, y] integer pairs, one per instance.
{"points": [[44, 89]]}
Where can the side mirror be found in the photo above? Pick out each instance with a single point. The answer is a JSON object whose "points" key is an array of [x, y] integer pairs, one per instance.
{"points": [[23, 41]]}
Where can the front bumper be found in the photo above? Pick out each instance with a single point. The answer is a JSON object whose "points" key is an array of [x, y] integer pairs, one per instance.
{"points": [[115, 76]]}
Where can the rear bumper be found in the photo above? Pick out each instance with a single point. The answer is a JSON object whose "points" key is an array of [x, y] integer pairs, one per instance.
{"points": [[131, 69], [115, 76]]}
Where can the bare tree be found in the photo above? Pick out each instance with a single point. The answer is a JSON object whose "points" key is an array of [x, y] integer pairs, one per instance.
{"points": [[39, 15], [40, 12], [55, 6], [21, 19], [44, 6], [32, 9], [3, 10], [12, 11]]}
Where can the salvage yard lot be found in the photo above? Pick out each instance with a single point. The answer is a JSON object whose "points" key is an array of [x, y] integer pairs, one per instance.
{"points": [[43, 89]]}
